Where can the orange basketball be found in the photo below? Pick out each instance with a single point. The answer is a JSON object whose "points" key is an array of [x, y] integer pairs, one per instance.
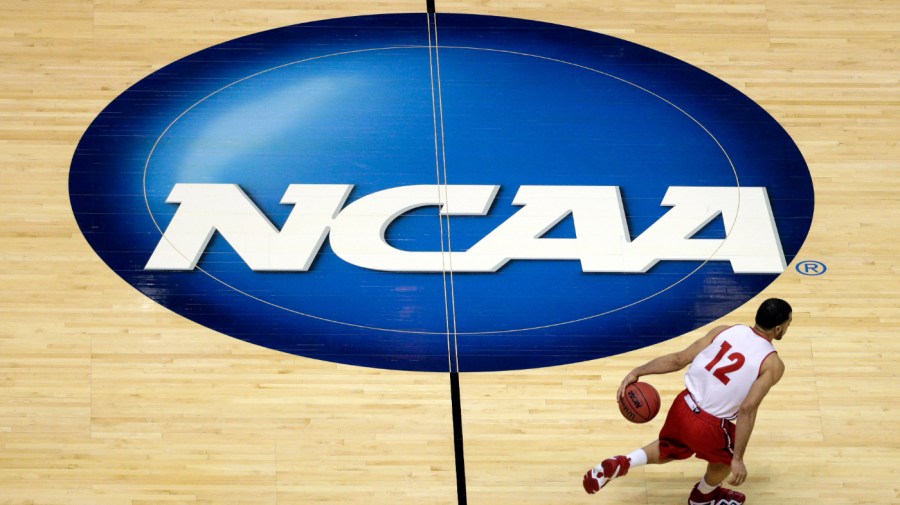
{"points": [[640, 403]]}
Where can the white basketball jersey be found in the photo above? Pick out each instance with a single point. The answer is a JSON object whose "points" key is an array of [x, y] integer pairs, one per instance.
{"points": [[721, 375]]}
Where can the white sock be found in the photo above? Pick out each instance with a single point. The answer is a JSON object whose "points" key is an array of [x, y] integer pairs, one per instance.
{"points": [[638, 458], [705, 488]]}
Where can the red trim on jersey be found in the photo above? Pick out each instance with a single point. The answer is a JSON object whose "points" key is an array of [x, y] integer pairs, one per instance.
{"points": [[717, 335], [763, 361]]}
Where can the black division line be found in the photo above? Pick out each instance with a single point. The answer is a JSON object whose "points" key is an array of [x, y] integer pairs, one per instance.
{"points": [[446, 250]]}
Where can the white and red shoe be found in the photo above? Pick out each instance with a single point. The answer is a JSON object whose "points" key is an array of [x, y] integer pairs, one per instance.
{"points": [[718, 496], [611, 468]]}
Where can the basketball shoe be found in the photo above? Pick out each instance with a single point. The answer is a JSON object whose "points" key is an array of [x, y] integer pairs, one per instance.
{"points": [[718, 496], [611, 468]]}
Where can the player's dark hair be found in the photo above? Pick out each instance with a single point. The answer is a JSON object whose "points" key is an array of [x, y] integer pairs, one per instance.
{"points": [[772, 312]]}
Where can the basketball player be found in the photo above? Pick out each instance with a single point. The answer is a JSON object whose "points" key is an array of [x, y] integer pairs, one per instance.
{"points": [[731, 371]]}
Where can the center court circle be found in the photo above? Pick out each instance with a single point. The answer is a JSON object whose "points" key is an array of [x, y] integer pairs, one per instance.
{"points": [[363, 101]]}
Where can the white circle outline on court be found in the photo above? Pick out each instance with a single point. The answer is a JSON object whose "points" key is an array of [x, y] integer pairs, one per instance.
{"points": [[417, 332]]}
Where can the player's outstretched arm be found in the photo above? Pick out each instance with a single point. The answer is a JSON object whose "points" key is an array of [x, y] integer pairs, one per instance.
{"points": [[671, 362]]}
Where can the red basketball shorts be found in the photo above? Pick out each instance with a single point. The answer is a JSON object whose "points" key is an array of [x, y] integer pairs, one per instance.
{"points": [[686, 433]]}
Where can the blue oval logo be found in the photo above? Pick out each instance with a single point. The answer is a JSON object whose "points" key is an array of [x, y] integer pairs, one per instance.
{"points": [[479, 194]]}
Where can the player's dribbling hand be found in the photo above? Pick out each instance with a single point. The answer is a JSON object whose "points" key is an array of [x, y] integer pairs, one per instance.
{"points": [[738, 472], [631, 377]]}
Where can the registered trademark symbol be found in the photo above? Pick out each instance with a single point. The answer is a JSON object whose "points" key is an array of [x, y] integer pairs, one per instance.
{"points": [[811, 267]]}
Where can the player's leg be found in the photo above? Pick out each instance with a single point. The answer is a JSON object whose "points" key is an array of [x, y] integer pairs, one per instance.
{"points": [[666, 448], [716, 473], [710, 491], [709, 447], [652, 454], [618, 466]]}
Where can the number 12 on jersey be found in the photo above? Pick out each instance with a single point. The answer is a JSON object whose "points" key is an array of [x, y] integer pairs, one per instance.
{"points": [[737, 361]]}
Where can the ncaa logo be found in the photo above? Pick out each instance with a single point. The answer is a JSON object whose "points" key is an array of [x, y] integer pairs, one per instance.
{"points": [[357, 190]]}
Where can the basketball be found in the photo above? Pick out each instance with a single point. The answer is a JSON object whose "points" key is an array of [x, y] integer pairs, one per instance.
{"points": [[640, 403]]}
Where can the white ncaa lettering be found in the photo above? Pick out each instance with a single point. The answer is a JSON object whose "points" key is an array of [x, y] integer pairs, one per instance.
{"points": [[600, 230], [207, 208], [751, 245], [357, 235], [357, 232]]}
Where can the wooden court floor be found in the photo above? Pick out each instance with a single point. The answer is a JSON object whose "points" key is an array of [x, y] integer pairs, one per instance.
{"points": [[107, 398]]}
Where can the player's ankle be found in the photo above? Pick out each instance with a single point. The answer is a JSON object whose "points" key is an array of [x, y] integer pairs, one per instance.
{"points": [[637, 458], [704, 487]]}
